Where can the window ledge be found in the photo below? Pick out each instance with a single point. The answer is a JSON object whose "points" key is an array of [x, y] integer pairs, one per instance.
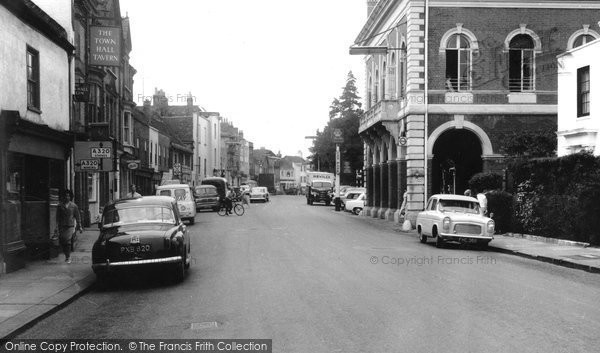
{"points": [[522, 98], [458, 98], [34, 109]]}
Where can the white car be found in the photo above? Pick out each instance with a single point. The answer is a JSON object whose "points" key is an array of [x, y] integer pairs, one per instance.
{"points": [[259, 193], [454, 218], [355, 202], [351, 189]]}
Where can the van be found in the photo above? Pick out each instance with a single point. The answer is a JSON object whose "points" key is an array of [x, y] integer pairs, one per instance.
{"points": [[182, 193], [220, 183]]}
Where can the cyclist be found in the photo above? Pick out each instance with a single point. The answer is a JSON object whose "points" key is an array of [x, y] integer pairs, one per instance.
{"points": [[229, 200]]}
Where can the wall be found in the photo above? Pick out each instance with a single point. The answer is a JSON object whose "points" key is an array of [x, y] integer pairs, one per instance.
{"points": [[54, 73]]}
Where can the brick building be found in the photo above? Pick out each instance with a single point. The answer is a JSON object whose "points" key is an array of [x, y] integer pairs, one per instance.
{"points": [[448, 81]]}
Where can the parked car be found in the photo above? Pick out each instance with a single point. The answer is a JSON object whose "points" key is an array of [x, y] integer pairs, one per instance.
{"points": [[184, 196], [344, 194], [355, 202], [454, 218], [220, 183], [207, 196], [143, 232], [259, 193]]}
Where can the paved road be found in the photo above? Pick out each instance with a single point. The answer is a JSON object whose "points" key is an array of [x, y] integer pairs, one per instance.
{"points": [[315, 280]]}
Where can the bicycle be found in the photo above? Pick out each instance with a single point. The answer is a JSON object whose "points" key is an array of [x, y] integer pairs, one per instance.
{"points": [[236, 206]]}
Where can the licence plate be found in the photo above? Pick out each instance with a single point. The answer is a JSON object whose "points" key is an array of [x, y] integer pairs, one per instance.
{"points": [[468, 240], [136, 249]]}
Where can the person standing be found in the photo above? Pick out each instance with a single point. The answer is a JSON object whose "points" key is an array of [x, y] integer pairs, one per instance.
{"points": [[68, 218], [482, 202], [133, 192]]}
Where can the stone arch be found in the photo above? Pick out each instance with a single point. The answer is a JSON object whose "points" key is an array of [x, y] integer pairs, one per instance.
{"points": [[486, 143], [537, 43], [583, 31], [459, 30]]}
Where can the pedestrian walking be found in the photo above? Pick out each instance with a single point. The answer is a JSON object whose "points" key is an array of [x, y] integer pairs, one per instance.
{"points": [[68, 220], [133, 192], [246, 199]]}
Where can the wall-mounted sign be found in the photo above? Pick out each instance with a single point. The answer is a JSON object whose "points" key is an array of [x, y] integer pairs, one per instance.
{"points": [[337, 136], [105, 46], [89, 164], [82, 92], [402, 141], [88, 156], [101, 152], [133, 164]]}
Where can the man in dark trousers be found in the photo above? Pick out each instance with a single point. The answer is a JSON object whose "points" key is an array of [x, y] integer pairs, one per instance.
{"points": [[67, 219]]}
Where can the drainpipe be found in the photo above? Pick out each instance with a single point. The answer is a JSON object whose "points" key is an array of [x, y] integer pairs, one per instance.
{"points": [[426, 100]]}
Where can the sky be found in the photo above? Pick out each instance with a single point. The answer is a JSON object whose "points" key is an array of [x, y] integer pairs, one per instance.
{"points": [[271, 67]]}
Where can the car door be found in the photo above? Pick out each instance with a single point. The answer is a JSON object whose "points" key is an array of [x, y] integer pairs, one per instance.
{"points": [[429, 216]]}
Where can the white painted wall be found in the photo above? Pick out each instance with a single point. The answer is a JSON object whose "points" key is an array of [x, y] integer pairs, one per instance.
{"points": [[575, 132], [54, 73]]}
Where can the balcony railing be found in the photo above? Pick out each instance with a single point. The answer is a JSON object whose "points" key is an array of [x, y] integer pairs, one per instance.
{"points": [[384, 110]]}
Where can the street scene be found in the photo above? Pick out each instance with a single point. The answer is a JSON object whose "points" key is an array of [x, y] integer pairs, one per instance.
{"points": [[315, 176]]}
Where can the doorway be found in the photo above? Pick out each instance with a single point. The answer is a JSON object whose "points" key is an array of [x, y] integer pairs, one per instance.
{"points": [[456, 158]]}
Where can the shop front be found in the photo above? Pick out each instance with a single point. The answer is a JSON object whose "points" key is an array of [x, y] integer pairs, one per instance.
{"points": [[35, 158]]}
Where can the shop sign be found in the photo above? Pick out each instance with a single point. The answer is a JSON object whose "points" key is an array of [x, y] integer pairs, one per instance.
{"points": [[134, 164], [105, 46], [82, 92]]}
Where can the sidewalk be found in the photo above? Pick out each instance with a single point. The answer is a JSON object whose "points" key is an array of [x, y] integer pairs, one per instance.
{"points": [[45, 286], [556, 251]]}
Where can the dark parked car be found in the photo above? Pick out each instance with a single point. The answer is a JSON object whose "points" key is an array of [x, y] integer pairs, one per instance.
{"points": [[139, 233], [220, 183], [207, 196]]}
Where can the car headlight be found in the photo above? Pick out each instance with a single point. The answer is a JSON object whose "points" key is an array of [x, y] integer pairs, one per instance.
{"points": [[490, 226], [446, 224]]}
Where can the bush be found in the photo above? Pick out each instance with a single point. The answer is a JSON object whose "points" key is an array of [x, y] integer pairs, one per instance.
{"points": [[485, 181], [500, 203]]}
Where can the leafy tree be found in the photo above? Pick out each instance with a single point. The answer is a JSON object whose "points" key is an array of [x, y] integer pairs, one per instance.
{"points": [[531, 144], [344, 114]]}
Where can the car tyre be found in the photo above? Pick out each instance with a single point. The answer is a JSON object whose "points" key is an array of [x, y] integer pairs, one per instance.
{"points": [[422, 237], [179, 271], [192, 220], [483, 246], [439, 242], [356, 210], [186, 263]]}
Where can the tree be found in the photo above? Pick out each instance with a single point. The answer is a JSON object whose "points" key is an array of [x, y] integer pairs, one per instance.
{"points": [[531, 144], [344, 114]]}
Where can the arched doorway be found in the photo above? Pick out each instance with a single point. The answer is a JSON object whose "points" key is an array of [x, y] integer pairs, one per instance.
{"points": [[456, 158]]}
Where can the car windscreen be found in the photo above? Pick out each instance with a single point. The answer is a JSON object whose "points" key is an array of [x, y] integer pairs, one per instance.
{"points": [[352, 196], [179, 194], [206, 191], [320, 184], [459, 206], [138, 214]]}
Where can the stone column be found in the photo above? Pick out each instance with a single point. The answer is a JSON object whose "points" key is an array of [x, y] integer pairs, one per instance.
{"points": [[376, 190], [369, 185], [385, 199], [392, 189]]}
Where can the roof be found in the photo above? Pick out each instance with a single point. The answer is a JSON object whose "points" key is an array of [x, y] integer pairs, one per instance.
{"points": [[181, 126], [294, 159], [455, 197], [144, 200]]}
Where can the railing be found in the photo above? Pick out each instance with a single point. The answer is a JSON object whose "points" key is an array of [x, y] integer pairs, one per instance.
{"points": [[384, 110]]}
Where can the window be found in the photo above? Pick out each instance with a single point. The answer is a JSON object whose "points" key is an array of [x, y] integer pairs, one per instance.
{"points": [[392, 73], [127, 130], [458, 63], [376, 88], [33, 78], [583, 91], [583, 39], [521, 63], [403, 65], [369, 93], [204, 166], [384, 95]]}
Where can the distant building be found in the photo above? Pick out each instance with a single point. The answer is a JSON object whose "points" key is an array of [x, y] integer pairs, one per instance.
{"points": [[578, 112]]}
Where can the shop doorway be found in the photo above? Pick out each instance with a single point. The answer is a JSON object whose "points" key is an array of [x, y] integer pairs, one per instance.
{"points": [[456, 158]]}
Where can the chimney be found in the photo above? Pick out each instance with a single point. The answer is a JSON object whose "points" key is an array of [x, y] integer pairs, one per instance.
{"points": [[370, 6], [147, 105]]}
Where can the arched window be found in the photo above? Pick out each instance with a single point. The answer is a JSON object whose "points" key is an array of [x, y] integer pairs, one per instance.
{"points": [[521, 63], [392, 76], [376, 88], [384, 94], [403, 65], [458, 63], [583, 39]]}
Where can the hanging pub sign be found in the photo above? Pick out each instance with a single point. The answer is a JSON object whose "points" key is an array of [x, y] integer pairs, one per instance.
{"points": [[105, 46], [82, 92]]}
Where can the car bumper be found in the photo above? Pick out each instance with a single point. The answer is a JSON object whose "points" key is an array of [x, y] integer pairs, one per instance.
{"points": [[207, 205], [106, 266], [466, 238]]}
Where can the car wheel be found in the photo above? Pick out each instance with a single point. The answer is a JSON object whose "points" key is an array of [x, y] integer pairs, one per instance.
{"points": [[192, 220], [422, 237], [483, 245], [356, 210], [439, 243], [179, 271], [186, 263]]}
